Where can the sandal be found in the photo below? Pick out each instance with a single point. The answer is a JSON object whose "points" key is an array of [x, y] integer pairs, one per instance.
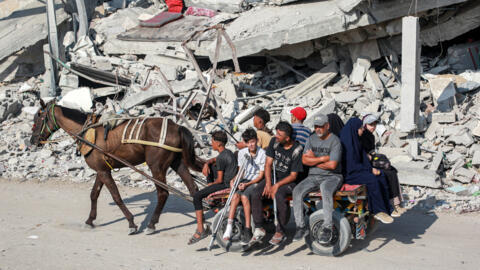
{"points": [[277, 240], [206, 232]]}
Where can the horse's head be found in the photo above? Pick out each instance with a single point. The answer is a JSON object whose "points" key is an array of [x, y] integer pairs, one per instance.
{"points": [[44, 123]]}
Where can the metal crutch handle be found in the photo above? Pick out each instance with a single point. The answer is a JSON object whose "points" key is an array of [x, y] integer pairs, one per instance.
{"points": [[230, 196]]}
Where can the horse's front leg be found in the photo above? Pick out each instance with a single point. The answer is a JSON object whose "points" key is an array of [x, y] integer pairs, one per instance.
{"points": [[162, 196], [106, 178], [97, 187]]}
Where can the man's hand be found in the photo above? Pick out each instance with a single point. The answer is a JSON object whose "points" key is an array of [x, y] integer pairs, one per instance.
{"points": [[241, 186], [273, 191], [231, 184], [240, 145], [376, 171], [266, 190], [206, 169]]}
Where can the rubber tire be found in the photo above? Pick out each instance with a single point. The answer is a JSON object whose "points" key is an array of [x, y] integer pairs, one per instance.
{"points": [[238, 224], [342, 226]]}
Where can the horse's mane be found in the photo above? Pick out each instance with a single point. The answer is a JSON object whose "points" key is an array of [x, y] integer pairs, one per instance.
{"points": [[74, 115]]}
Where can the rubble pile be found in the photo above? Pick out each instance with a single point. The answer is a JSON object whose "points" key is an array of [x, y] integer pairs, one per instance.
{"points": [[350, 68]]}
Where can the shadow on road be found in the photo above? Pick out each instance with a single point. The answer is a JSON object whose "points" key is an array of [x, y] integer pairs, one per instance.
{"points": [[148, 201], [405, 229]]}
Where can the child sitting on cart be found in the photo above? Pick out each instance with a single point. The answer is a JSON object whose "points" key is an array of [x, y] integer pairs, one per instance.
{"points": [[253, 173], [219, 175]]}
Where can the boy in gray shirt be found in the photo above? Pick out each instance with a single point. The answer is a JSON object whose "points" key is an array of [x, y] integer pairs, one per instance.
{"points": [[322, 153]]}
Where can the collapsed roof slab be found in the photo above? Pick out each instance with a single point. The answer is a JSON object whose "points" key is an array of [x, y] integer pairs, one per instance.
{"points": [[272, 27], [24, 28]]}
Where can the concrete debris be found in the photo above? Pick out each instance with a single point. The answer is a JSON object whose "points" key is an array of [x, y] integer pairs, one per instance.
{"points": [[360, 69], [444, 118], [338, 56], [315, 82], [443, 92]]}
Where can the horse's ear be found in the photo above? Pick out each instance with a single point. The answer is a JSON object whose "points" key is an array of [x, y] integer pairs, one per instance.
{"points": [[42, 104]]}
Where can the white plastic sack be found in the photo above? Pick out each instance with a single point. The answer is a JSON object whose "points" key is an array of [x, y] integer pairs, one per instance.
{"points": [[79, 99]]}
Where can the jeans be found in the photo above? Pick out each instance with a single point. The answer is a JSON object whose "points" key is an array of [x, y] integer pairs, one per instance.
{"points": [[328, 185]]}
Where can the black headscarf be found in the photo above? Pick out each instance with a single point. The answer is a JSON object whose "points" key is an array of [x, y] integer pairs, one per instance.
{"points": [[356, 160], [336, 124], [367, 140]]}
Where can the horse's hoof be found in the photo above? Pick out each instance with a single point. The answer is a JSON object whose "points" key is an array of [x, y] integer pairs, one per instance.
{"points": [[149, 231], [132, 231]]}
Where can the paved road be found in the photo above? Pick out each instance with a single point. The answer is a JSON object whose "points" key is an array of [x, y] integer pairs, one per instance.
{"points": [[41, 227]]}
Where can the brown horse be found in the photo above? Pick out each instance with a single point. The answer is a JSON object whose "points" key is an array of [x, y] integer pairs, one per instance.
{"points": [[52, 117]]}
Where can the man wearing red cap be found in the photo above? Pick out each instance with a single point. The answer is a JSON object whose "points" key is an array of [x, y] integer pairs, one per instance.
{"points": [[300, 132]]}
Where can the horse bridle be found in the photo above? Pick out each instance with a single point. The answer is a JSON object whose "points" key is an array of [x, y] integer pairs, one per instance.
{"points": [[46, 119]]}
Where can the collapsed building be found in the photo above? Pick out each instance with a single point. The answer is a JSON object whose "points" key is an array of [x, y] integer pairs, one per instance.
{"points": [[413, 63]]}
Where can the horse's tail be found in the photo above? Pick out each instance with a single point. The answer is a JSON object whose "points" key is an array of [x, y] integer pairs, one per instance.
{"points": [[188, 151]]}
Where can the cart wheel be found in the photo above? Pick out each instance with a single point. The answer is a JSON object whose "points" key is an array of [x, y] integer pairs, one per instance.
{"points": [[342, 234], [238, 226]]}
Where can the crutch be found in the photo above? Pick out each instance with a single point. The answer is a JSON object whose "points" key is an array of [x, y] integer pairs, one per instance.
{"points": [[274, 200], [230, 196]]}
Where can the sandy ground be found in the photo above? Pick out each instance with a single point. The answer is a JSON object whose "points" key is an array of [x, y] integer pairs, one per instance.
{"points": [[41, 227]]}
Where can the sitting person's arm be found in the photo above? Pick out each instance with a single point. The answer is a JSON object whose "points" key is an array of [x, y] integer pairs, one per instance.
{"points": [[219, 179], [334, 157], [295, 168], [206, 168], [309, 159]]}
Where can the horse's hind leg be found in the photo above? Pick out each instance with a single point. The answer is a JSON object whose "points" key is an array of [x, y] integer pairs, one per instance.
{"points": [[182, 170], [106, 178], [162, 195], [97, 187]]}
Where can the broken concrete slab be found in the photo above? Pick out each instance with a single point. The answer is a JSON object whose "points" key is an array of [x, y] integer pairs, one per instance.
{"points": [[417, 177], [231, 6], [432, 130], [463, 138], [466, 175], [465, 19], [476, 158], [328, 106], [368, 50], [374, 81], [443, 117], [315, 82], [443, 92], [346, 97], [454, 156], [360, 69], [437, 160], [68, 82], [33, 25], [226, 90], [272, 27]]}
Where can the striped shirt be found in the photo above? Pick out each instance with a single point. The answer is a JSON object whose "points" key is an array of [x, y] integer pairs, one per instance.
{"points": [[300, 133], [254, 166]]}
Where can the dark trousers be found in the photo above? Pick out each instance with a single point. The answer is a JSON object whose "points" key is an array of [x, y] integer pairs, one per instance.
{"points": [[198, 197], [282, 205], [393, 185]]}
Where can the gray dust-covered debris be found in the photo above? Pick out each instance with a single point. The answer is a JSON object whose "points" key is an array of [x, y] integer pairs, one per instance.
{"points": [[339, 56]]}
